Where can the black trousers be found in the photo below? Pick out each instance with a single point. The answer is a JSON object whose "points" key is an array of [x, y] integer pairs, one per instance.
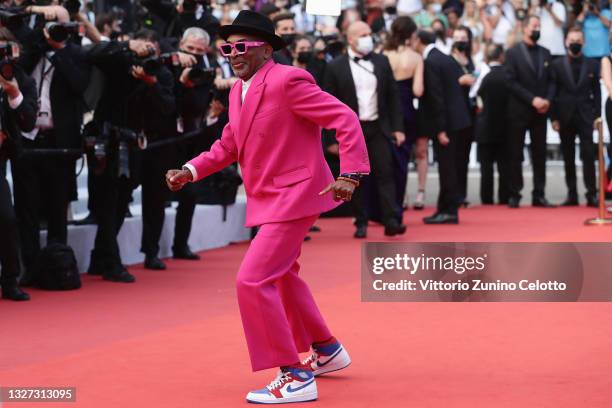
{"points": [[489, 155], [381, 173], [516, 137], [155, 194], [187, 200], [448, 158], [111, 207], [464, 146], [9, 237], [579, 127], [42, 185]]}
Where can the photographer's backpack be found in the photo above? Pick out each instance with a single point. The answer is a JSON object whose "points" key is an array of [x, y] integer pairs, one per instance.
{"points": [[56, 268]]}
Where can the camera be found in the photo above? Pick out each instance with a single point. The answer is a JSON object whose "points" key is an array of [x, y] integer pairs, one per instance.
{"points": [[201, 76], [151, 65], [521, 14], [9, 53], [116, 137], [60, 32], [190, 6]]}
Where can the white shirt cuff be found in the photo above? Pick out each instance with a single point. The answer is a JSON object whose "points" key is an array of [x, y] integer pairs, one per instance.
{"points": [[211, 121], [192, 170], [14, 103]]}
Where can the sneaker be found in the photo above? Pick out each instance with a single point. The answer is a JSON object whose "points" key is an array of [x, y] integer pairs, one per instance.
{"points": [[328, 358], [291, 385]]}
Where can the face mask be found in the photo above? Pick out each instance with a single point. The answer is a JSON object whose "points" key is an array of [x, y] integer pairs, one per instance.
{"points": [[218, 14], [288, 38], [304, 57], [535, 35], [575, 48], [436, 8], [365, 45], [115, 34], [462, 46], [233, 14], [439, 33], [391, 10]]}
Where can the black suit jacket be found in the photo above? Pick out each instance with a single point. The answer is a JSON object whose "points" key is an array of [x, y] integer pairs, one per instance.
{"points": [[14, 121], [583, 97], [70, 80], [444, 102], [490, 122], [525, 83], [338, 81]]}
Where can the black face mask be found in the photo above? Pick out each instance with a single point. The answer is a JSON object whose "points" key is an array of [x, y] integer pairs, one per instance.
{"points": [[439, 34], [288, 38], [391, 10], [575, 48], [462, 46], [304, 57], [115, 34], [535, 35]]}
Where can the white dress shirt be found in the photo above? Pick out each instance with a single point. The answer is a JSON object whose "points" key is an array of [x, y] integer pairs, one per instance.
{"points": [[365, 87], [245, 87], [43, 75]]}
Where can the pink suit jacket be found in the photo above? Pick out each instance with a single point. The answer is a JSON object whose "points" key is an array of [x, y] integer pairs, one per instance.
{"points": [[276, 138]]}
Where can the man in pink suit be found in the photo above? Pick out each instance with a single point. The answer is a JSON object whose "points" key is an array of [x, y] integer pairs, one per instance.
{"points": [[276, 113]]}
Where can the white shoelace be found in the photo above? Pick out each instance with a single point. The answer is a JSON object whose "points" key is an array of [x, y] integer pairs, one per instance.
{"points": [[281, 378], [310, 359]]}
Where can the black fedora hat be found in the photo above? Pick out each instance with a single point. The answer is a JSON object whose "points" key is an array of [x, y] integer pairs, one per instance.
{"points": [[250, 22]]}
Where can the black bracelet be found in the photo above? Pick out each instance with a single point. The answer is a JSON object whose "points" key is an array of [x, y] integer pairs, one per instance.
{"points": [[352, 176]]}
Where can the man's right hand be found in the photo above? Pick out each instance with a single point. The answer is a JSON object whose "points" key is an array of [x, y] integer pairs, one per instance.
{"points": [[176, 179], [540, 104], [142, 48], [443, 139]]}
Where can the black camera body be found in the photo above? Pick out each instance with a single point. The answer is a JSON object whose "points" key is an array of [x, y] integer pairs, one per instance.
{"points": [[9, 53], [114, 137], [60, 32], [202, 76], [152, 64]]}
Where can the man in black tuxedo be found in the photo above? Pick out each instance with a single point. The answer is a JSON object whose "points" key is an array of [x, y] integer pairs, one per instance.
{"points": [[531, 92], [363, 80], [446, 108], [17, 114], [576, 107], [491, 127], [133, 101], [192, 102], [46, 183]]}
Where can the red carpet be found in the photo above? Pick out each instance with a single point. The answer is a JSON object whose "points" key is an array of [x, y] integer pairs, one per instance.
{"points": [[174, 338]]}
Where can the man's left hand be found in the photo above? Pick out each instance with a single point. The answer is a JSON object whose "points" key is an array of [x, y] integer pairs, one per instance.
{"points": [[341, 189], [399, 137]]}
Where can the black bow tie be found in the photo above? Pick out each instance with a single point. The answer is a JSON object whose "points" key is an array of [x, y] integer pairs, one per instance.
{"points": [[365, 58]]}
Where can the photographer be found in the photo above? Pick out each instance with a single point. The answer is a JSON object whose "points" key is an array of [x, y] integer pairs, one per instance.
{"points": [[61, 73], [177, 18], [138, 98], [17, 114], [595, 23], [192, 99]]}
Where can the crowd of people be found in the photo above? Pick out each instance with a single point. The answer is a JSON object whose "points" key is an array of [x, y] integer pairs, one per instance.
{"points": [[139, 87]]}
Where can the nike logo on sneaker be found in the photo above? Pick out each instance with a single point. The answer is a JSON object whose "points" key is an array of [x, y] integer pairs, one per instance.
{"points": [[290, 389], [319, 364]]}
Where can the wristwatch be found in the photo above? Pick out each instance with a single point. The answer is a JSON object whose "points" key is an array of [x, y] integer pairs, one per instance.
{"points": [[352, 176]]}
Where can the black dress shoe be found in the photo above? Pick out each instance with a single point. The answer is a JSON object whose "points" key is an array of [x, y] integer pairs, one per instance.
{"points": [[570, 202], [154, 263], [542, 202], [394, 228], [314, 228], [361, 231], [185, 253], [121, 275], [307, 238], [441, 218], [13, 292], [592, 201], [513, 202]]}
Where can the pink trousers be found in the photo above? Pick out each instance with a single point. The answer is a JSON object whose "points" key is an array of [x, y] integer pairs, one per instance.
{"points": [[279, 314]]}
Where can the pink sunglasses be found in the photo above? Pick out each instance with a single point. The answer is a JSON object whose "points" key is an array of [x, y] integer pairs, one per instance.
{"points": [[241, 47]]}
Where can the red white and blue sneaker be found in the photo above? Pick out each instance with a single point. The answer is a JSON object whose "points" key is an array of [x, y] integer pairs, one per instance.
{"points": [[290, 385], [327, 358]]}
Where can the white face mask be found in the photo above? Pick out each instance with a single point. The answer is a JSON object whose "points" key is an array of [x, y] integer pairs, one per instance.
{"points": [[233, 14], [217, 13], [436, 8], [365, 45]]}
